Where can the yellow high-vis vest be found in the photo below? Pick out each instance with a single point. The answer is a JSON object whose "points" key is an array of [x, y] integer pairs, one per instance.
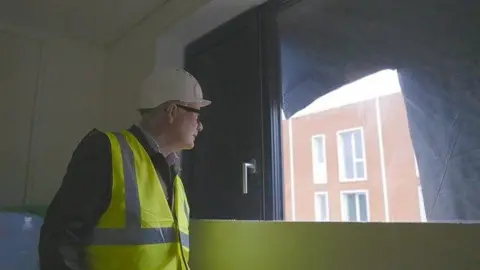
{"points": [[139, 231]]}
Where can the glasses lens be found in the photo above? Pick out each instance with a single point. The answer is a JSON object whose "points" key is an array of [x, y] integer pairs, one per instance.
{"points": [[189, 109]]}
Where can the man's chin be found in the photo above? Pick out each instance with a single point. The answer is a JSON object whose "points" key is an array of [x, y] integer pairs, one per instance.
{"points": [[189, 146]]}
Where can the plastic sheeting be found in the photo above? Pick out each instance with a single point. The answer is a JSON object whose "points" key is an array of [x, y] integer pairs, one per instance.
{"points": [[19, 235], [325, 44], [434, 46], [443, 107]]}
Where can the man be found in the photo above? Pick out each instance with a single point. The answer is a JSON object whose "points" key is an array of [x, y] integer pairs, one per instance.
{"points": [[121, 204]]}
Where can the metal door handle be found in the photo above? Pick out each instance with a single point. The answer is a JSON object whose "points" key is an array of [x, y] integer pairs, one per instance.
{"points": [[252, 165]]}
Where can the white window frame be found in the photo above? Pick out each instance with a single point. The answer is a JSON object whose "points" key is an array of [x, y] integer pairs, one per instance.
{"points": [[341, 164], [317, 178], [327, 206], [344, 205], [421, 205]]}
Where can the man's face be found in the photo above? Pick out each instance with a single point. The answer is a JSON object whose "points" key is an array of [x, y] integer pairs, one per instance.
{"points": [[186, 124]]}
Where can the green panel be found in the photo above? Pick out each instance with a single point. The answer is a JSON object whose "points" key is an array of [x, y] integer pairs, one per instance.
{"points": [[250, 245]]}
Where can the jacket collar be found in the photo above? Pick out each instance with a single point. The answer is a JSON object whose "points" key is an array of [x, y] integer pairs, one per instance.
{"points": [[151, 146]]}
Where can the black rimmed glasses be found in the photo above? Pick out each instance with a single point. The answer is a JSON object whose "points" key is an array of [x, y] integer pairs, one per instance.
{"points": [[189, 109]]}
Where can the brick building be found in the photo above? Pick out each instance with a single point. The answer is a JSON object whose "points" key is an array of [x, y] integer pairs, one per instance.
{"points": [[351, 158]]}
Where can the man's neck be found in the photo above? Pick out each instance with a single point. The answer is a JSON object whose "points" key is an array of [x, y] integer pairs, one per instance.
{"points": [[172, 158], [156, 142]]}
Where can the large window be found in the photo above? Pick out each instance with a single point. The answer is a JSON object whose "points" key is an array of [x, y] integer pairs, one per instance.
{"points": [[355, 206], [355, 138], [319, 159], [321, 206], [351, 149]]}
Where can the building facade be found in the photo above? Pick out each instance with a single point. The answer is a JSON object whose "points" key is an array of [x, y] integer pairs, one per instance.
{"points": [[352, 163]]}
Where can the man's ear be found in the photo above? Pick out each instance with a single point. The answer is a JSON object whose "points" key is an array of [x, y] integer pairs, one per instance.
{"points": [[171, 111]]}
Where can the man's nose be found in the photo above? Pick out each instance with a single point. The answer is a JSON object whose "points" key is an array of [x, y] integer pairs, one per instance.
{"points": [[199, 126]]}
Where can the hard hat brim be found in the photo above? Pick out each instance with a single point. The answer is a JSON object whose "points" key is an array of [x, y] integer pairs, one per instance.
{"points": [[200, 103]]}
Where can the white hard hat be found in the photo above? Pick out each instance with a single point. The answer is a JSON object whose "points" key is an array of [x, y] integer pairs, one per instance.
{"points": [[170, 84]]}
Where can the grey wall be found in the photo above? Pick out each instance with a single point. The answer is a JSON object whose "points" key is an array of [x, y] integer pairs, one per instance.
{"points": [[51, 94], [53, 91]]}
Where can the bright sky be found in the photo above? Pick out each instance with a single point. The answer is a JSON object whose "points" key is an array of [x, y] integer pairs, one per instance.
{"points": [[382, 83]]}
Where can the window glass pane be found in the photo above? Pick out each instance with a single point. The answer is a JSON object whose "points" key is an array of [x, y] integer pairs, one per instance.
{"points": [[360, 169], [376, 126], [372, 111], [351, 207], [362, 207], [319, 149], [321, 207], [347, 156], [319, 162], [357, 138]]}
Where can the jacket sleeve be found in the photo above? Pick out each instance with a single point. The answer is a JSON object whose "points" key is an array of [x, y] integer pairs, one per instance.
{"points": [[77, 206]]}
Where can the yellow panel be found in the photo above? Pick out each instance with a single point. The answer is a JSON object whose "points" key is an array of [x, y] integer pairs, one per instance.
{"points": [[250, 245]]}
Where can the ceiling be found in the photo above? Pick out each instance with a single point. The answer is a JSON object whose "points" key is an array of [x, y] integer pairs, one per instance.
{"points": [[97, 21]]}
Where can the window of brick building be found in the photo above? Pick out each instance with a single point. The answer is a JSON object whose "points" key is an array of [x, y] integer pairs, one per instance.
{"points": [[319, 159], [355, 206], [351, 149], [321, 206]]}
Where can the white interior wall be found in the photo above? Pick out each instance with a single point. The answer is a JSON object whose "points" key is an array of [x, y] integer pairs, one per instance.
{"points": [[51, 91]]}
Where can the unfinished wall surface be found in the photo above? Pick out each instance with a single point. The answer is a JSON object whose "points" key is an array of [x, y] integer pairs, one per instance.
{"points": [[51, 95]]}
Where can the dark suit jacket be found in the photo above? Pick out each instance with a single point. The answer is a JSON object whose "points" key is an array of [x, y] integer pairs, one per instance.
{"points": [[83, 198]]}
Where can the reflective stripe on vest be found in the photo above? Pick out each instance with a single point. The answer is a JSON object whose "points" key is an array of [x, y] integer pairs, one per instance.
{"points": [[133, 233]]}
